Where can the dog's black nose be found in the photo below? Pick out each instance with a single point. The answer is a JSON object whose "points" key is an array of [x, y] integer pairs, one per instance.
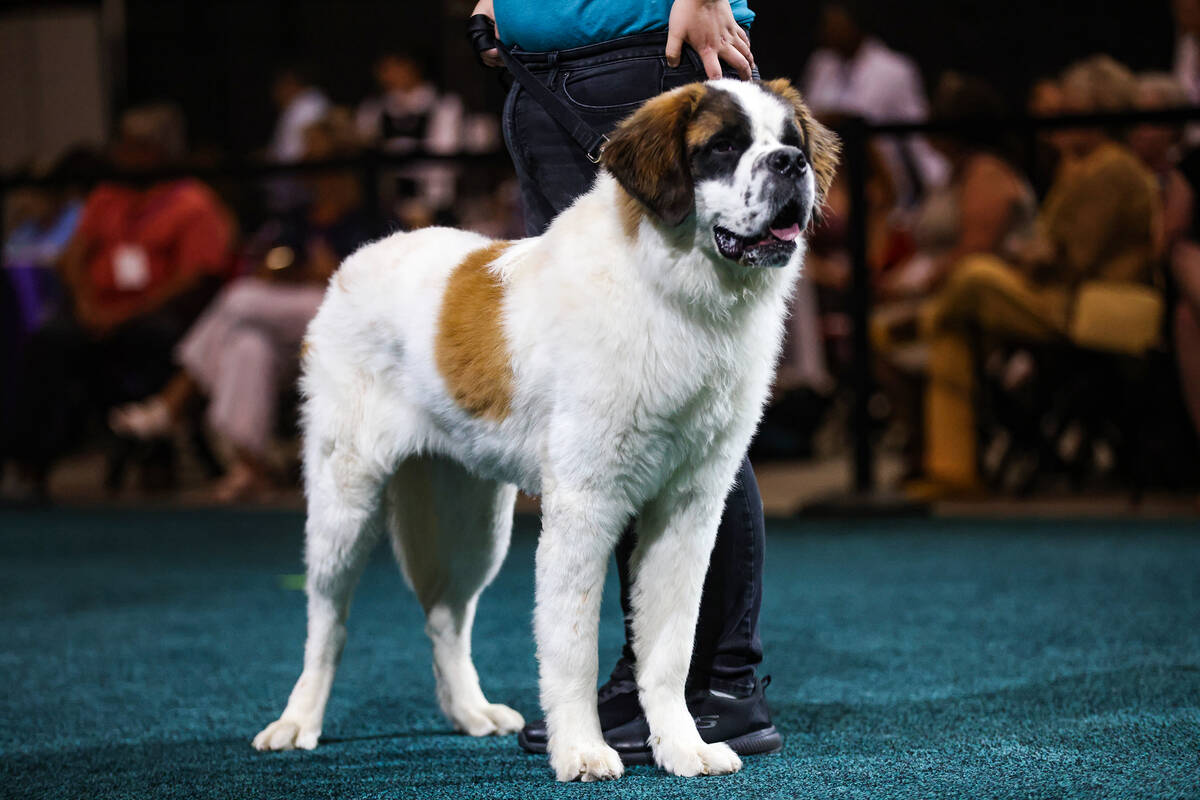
{"points": [[787, 161]]}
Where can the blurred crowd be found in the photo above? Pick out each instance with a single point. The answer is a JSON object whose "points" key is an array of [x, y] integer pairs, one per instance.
{"points": [[138, 314], [1036, 298]]}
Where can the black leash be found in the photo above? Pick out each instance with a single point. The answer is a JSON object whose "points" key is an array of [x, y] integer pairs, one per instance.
{"points": [[480, 29]]}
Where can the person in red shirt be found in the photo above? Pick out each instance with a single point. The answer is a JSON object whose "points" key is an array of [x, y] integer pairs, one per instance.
{"points": [[143, 263]]}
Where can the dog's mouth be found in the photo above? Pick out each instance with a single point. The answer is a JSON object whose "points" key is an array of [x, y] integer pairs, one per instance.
{"points": [[772, 247]]}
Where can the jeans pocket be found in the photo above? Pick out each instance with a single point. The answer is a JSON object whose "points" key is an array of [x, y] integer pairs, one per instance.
{"points": [[685, 73], [617, 86]]}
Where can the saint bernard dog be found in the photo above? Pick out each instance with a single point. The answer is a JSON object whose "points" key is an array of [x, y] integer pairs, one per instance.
{"points": [[615, 365]]}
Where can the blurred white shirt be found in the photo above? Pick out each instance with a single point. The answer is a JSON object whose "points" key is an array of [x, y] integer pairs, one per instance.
{"points": [[287, 143], [402, 121], [879, 85]]}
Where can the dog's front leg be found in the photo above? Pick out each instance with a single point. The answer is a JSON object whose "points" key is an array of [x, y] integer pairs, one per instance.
{"points": [[579, 530], [675, 540]]}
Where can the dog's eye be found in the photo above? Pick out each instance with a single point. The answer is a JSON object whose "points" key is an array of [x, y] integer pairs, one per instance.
{"points": [[723, 146]]}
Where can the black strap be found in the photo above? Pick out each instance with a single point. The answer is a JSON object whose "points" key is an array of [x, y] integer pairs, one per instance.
{"points": [[480, 29]]}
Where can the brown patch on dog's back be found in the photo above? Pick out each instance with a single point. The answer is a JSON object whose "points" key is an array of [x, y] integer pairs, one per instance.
{"points": [[470, 349], [822, 143]]}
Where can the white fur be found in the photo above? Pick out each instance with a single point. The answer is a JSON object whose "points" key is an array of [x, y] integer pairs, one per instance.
{"points": [[640, 371]]}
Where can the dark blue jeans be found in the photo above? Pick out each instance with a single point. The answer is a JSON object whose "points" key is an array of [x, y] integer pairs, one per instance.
{"points": [[604, 83]]}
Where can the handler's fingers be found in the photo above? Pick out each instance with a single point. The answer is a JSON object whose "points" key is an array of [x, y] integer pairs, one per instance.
{"points": [[733, 57], [742, 43], [492, 58], [674, 48], [712, 63]]}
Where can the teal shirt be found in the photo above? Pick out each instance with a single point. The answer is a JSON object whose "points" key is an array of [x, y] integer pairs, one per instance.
{"points": [[558, 24]]}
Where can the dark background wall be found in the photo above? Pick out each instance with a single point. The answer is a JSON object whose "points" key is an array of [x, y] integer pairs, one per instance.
{"points": [[215, 57]]}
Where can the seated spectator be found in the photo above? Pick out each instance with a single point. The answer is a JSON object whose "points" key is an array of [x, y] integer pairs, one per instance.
{"points": [[243, 351], [410, 114], [987, 208], [142, 264], [855, 74], [43, 221], [1100, 221], [300, 104]]}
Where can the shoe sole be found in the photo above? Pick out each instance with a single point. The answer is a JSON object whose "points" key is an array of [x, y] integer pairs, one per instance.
{"points": [[755, 743]]}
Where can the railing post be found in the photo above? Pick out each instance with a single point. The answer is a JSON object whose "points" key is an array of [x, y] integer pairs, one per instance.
{"points": [[855, 148]]}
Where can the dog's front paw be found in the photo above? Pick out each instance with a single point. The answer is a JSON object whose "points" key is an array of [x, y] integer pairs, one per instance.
{"points": [[585, 763], [689, 759], [288, 734], [492, 718]]}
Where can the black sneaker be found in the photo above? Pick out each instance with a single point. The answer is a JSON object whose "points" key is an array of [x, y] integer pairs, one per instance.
{"points": [[617, 702], [744, 723]]}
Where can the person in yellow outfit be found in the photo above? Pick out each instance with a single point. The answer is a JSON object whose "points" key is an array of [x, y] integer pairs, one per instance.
{"points": [[1101, 220]]}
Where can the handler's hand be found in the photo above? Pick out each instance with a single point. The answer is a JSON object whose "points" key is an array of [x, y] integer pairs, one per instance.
{"points": [[489, 57], [709, 27]]}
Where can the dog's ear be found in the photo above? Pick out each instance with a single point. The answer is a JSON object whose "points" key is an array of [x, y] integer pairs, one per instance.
{"points": [[647, 153], [822, 144]]}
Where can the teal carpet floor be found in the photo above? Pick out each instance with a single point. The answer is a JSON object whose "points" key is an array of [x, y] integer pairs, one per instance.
{"points": [[140, 652]]}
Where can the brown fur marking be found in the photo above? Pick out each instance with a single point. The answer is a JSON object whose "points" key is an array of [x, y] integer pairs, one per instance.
{"points": [[648, 157], [713, 114], [702, 128], [630, 212], [823, 144], [470, 350]]}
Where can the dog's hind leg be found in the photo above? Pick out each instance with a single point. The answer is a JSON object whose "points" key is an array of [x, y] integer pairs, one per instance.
{"points": [[450, 531], [344, 492]]}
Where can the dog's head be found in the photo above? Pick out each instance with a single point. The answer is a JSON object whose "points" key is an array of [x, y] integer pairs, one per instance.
{"points": [[748, 159]]}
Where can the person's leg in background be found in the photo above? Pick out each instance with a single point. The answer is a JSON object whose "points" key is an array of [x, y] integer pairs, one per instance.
{"points": [[1185, 267], [989, 296], [553, 171], [52, 398], [239, 353], [1187, 352]]}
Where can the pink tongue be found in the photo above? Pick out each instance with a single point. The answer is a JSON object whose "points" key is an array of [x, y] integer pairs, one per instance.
{"points": [[787, 234]]}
